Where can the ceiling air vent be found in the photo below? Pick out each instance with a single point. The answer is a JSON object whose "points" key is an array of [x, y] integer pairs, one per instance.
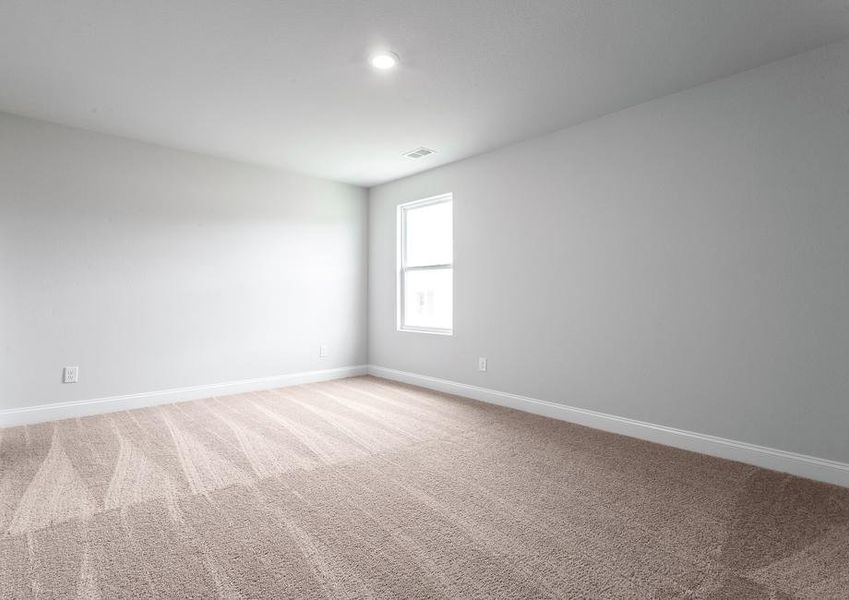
{"points": [[418, 153]]}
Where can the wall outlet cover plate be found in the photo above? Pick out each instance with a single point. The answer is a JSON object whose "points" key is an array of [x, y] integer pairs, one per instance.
{"points": [[70, 374]]}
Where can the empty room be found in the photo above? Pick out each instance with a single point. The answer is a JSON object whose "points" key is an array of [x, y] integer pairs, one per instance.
{"points": [[394, 299]]}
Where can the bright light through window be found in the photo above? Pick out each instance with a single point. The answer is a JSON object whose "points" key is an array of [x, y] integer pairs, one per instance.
{"points": [[426, 265]]}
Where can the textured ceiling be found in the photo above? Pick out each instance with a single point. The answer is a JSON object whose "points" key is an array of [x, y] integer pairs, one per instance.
{"points": [[286, 82]]}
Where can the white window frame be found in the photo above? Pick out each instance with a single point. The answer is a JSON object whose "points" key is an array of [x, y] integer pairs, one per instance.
{"points": [[402, 268]]}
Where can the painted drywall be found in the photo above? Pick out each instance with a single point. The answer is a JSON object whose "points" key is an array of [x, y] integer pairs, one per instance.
{"points": [[287, 82], [684, 262], [155, 269]]}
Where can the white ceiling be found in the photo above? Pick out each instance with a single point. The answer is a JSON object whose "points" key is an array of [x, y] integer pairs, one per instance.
{"points": [[286, 82]]}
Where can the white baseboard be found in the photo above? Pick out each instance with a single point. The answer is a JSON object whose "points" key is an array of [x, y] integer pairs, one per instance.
{"points": [[81, 408], [810, 467]]}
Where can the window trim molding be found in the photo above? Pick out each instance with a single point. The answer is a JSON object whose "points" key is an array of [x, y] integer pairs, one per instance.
{"points": [[400, 269]]}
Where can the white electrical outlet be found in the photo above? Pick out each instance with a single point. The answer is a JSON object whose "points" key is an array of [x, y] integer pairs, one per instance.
{"points": [[481, 364], [70, 374], [322, 351]]}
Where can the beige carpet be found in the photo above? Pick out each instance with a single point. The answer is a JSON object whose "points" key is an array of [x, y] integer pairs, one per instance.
{"points": [[362, 488]]}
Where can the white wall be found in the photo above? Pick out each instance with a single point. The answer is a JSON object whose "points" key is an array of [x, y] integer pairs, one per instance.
{"points": [[152, 268], [684, 262]]}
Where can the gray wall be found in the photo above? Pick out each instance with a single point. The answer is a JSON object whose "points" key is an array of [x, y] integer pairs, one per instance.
{"points": [[152, 268], [684, 262]]}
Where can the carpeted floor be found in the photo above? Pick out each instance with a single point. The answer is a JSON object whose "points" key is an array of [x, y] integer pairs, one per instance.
{"points": [[362, 488]]}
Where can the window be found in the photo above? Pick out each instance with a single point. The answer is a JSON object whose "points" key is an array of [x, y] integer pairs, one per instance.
{"points": [[426, 265]]}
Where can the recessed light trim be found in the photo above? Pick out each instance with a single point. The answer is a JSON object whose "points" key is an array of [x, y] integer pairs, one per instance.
{"points": [[384, 61]]}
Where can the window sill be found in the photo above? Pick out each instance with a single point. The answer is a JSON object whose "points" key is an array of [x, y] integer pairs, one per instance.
{"points": [[424, 330]]}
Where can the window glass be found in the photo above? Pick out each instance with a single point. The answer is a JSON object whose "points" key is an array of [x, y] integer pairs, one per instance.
{"points": [[429, 235], [428, 294]]}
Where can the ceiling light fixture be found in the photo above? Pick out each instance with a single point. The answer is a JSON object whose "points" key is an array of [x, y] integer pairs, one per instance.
{"points": [[384, 61]]}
